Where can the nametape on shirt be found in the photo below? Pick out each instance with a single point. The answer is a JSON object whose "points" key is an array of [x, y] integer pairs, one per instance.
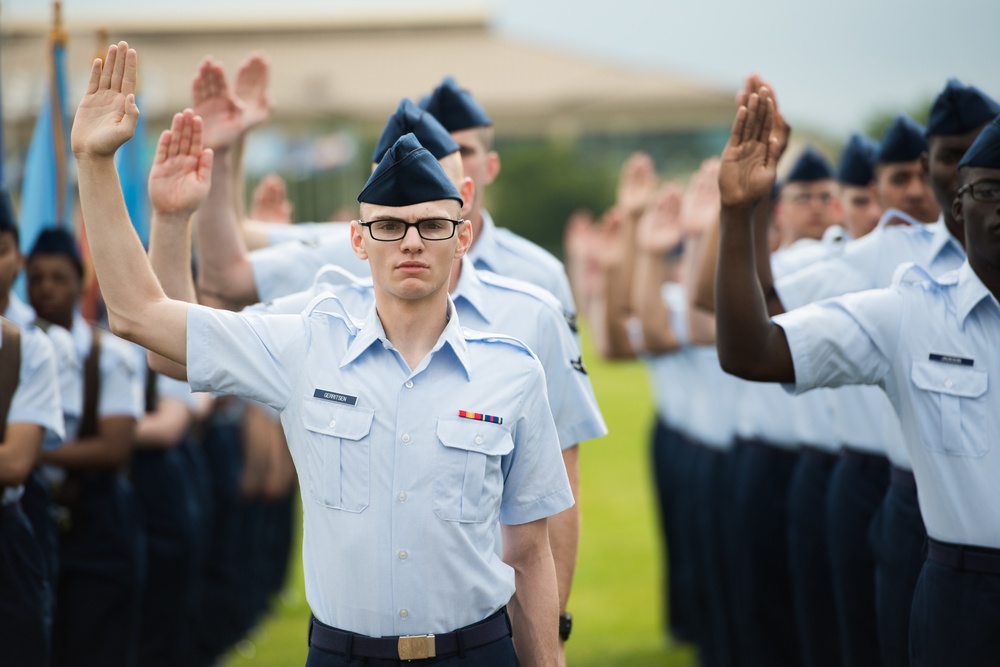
{"points": [[948, 359], [335, 397], [478, 416]]}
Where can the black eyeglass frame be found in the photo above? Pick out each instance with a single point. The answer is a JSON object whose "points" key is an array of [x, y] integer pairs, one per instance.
{"points": [[971, 188], [407, 225]]}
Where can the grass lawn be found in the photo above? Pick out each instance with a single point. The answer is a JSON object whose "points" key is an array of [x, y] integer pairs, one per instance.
{"points": [[616, 601]]}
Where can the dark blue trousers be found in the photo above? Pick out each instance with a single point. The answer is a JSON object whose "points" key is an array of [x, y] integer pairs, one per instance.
{"points": [[669, 457], [768, 637], [101, 577], [857, 488], [37, 506], [715, 645], [809, 562], [955, 618], [898, 539], [164, 489], [23, 632]]}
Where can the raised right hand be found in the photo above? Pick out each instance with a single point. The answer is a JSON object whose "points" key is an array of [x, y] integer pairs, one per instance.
{"points": [[749, 162]]}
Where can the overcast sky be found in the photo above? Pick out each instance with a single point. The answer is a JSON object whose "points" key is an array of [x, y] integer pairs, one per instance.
{"points": [[833, 64]]}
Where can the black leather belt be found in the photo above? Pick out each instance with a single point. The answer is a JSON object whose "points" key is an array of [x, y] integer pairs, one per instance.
{"points": [[761, 447], [963, 557], [412, 647], [864, 460], [903, 478]]}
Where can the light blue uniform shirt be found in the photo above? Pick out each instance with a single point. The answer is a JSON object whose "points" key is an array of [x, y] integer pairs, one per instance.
{"points": [[401, 495], [288, 268], [932, 345], [67, 364], [863, 417], [489, 302], [764, 411], [36, 399], [714, 393], [502, 251], [302, 231], [672, 375]]}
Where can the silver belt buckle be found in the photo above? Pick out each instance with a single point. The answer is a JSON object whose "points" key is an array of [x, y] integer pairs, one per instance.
{"points": [[416, 647]]}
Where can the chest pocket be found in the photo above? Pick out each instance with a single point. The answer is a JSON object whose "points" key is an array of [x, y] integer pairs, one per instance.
{"points": [[338, 453], [959, 394], [469, 484]]}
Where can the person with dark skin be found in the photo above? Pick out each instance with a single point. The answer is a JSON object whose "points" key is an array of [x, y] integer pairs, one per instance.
{"points": [[883, 337], [96, 623], [858, 500]]}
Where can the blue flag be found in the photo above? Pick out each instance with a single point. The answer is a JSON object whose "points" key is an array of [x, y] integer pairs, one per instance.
{"points": [[46, 191], [133, 161]]}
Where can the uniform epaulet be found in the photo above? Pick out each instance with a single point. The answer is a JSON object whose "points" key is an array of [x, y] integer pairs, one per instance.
{"points": [[910, 272], [515, 285], [522, 247], [473, 336], [328, 304], [337, 276]]}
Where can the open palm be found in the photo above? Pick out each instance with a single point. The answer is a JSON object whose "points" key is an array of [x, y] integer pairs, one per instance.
{"points": [[107, 114], [749, 161], [221, 111], [660, 228], [181, 174]]}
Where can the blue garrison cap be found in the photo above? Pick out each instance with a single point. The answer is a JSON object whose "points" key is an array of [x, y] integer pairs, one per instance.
{"points": [[428, 131], [857, 161], [454, 107], [903, 141], [8, 221], [985, 150], [57, 242], [811, 166], [959, 109], [408, 174]]}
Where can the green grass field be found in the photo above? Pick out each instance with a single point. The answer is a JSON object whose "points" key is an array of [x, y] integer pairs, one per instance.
{"points": [[616, 600]]}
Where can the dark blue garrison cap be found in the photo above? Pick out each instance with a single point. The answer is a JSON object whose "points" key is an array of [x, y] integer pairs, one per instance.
{"points": [[408, 174], [57, 242], [811, 166], [959, 109], [454, 107], [8, 222], [985, 150], [857, 161], [903, 141], [428, 131]]}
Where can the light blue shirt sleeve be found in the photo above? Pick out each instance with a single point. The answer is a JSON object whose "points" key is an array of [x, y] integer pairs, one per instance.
{"points": [[122, 392], [291, 267], [245, 354], [843, 341], [535, 482], [36, 399]]}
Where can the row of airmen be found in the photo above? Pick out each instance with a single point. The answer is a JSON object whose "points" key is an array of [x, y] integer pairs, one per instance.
{"points": [[439, 151], [792, 522], [130, 505]]}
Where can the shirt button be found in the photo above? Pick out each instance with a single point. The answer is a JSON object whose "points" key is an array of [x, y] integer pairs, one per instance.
{"points": [[406, 438], [479, 439], [409, 384], [403, 613], [948, 383], [333, 422], [402, 496], [403, 555]]}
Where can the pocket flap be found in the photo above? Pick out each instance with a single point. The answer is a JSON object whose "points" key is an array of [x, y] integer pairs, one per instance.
{"points": [[474, 436], [949, 379], [339, 421]]}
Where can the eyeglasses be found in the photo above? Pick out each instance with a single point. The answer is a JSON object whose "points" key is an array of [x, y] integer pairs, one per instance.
{"points": [[805, 198], [984, 191], [431, 229]]}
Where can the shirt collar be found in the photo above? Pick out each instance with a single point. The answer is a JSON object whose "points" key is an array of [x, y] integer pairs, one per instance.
{"points": [[485, 245], [372, 332], [894, 214], [18, 311], [943, 239], [470, 288], [971, 291]]}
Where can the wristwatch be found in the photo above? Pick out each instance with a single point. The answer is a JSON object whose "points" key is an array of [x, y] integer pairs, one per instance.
{"points": [[565, 625]]}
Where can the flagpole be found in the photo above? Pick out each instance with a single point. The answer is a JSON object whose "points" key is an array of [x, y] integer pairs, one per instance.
{"points": [[57, 43]]}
